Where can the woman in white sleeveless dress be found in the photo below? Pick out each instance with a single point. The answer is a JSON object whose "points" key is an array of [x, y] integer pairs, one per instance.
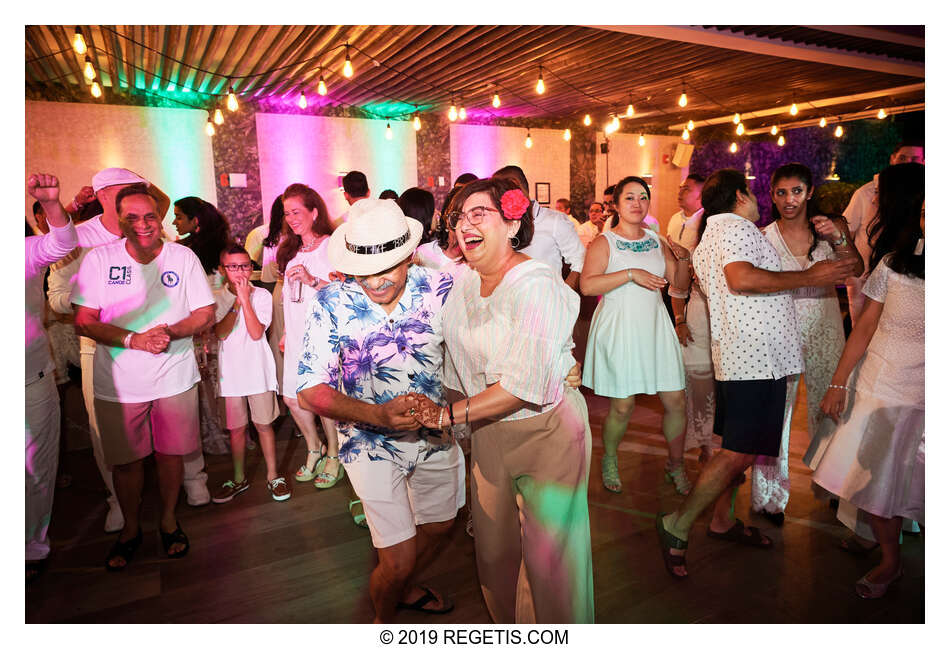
{"points": [[632, 348], [802, 238]]}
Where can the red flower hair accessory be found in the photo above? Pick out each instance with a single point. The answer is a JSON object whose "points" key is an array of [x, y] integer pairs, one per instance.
{"points": [[513, 204]]}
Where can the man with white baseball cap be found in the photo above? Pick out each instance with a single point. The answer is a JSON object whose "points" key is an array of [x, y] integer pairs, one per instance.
{"points": [[97, 231], [369, 342]]}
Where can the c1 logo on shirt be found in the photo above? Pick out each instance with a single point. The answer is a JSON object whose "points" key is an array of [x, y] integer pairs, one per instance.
{"points": [[170, 278], [120, 275]]}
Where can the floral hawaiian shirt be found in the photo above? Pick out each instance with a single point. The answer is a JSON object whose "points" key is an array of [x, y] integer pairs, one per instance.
{"points": [[351, 344]]}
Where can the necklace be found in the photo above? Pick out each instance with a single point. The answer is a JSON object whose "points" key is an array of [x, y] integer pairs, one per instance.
{"points": [[307, 247]]}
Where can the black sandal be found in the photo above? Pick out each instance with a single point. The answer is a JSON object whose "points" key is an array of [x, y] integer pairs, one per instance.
{"points": [[171, 538], [737, 534], [427, 597], [669, 542], [124, 549]]}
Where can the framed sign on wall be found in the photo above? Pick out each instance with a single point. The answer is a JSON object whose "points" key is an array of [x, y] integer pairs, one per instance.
{"points": [[542, 193]]}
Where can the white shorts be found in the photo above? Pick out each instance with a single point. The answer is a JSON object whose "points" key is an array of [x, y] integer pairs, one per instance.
{"points": [[395, 503]]}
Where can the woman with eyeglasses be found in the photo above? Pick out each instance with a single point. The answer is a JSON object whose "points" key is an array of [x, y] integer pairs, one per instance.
{"points": [[507, 328]]}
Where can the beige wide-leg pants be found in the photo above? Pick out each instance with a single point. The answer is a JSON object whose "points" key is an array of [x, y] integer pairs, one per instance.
{"points": [[532, 529]]}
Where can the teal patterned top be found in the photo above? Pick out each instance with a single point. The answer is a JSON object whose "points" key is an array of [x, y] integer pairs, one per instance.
{"points": [[642, 245]]}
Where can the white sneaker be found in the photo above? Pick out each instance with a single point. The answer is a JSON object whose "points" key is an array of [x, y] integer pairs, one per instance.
{"points": [[115, 521], [197, 493]]}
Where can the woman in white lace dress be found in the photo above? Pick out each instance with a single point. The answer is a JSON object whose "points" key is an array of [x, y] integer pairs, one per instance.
{"points": [[874, 459], [802, 238]]}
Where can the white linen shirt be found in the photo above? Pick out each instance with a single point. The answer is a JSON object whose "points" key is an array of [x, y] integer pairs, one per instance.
{"points": [[685, 230], [554, 238], [752, 337], [245, 366], [519, 336]]}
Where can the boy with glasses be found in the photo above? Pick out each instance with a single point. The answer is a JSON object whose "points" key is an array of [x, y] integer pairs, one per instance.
{"points": [[246, 371]]}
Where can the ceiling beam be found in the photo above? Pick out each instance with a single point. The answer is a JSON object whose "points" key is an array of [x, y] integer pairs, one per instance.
{"points": [[772, 47], [872, 33], [847, 117]]}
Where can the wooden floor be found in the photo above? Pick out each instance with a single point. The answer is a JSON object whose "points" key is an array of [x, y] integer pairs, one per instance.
{"points": [[256, 560]]}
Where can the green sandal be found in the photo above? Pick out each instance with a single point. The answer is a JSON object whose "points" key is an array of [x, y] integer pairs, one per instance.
{"points": [[326, 480], [303, 473], [360, 517], [610, 474]]}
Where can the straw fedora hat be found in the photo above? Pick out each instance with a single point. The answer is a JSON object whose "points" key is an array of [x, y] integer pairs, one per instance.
{"points": [[376, 236]]}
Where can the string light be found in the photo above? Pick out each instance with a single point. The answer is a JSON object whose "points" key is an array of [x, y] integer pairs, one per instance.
{"points": [[615, 123], [496, 101], [781, 140], [321, 87], [539, 87], [453, 112], [794, 109], [586, 120], [209, 127], [839, 131], [630, 110], [823, 123], [416, 122], [302, 101], [690, 126], [740, 129], [733, 147], [527, 141], [567, 135], [79, 43], [218, 117], [347, 64], [683, 101], [462, 113], [774, 130], [736, 118], [232, 99], [881, 114], [389, 131], [96, 89], [641, 140], [685, 135], [88, 71]]}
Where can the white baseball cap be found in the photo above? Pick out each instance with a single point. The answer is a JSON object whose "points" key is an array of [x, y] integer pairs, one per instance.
{"points": [[115, 176]]}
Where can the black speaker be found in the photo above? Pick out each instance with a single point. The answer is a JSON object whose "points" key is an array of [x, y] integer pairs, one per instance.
{"points": [[604, 147]]}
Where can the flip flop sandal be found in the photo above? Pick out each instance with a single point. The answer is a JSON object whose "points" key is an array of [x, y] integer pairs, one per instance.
{"points": [[359, 519], [171, 538], [669, 542], [124, 549], [852, 546], [429, 596], [610, 474], [736, 534]]}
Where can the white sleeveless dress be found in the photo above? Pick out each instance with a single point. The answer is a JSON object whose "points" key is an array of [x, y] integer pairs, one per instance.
{"points": [[632, 347]]}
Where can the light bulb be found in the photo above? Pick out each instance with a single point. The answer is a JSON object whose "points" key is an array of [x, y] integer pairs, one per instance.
{"points": [[347, 65], [740, 129], [774, 130], [302, 101], [586, 120], [496, 101], [417, 123], [96, 90], [615, 122], [209, 128], [839, 131], [462, 113], [823, 123], [232, 100], [733, 147], [79, 43], [527, 141], [567, 135], [641, 140], [389, 131], [630, 110], [539, 87], [321, 87], [453, 113], [881, 114], [218, 117], [794, 109], [781, 140], [685, 135], [690, 126], [682, 101], [88, 71], [736, 118]]}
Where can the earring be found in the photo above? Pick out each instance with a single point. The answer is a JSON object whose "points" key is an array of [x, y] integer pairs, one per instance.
{"points": [[515, 242], [919, 248]]}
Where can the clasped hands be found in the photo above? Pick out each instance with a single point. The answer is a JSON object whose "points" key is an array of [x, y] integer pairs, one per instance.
{"points": [[413, 411], [154, 340]]}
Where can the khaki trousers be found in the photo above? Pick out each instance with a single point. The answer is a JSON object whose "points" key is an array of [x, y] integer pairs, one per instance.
{"points": [[532, 529]]}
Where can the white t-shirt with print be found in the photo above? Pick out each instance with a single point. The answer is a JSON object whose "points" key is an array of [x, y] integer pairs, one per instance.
{"points": [[138, 297], [752, 336], [245, 366]]}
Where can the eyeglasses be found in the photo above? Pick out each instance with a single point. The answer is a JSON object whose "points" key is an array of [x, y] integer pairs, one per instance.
{"points": [[238, 266], [473, 216]]}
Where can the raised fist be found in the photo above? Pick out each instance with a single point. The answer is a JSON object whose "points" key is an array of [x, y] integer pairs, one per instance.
{"points": [[43, 187]]}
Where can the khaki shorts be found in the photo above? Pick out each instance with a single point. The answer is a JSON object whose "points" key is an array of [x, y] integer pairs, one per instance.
{"points": [[395, 503], [132, 431], [263, 409]]}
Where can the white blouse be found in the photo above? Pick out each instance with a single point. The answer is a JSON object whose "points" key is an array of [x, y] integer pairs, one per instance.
{"points": [[520, 336]]}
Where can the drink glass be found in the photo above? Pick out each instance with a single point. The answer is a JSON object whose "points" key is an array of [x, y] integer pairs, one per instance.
{"points": [[296, 290]]}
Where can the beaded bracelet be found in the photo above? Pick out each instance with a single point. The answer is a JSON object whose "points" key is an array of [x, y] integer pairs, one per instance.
{"points": [[841, 240], [840, 387], [127, 341], [441, 415]]}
